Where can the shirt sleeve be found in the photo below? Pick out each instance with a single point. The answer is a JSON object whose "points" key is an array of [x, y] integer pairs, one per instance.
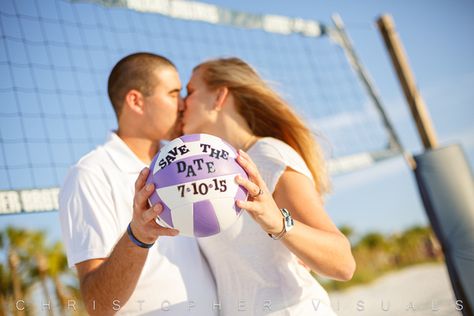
{"points": [[273, 157], [87, 216], [271, 168]]}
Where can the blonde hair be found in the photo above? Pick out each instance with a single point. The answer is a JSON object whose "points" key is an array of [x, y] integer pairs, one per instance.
{"points": [[266, 113]]}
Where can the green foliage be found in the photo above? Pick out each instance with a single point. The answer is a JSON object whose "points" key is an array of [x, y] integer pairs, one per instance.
{"points": [[347, 231], [31, 261], [376, 254]]}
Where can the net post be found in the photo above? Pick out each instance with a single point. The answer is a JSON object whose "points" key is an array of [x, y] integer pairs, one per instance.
{"points": [[407, 81]]}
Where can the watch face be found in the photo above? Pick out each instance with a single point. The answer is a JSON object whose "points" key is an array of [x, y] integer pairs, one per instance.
{"points": [[285, 212], [289, 223]]}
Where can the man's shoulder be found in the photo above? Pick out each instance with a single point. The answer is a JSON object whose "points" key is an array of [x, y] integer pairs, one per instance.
{"points": [[94, 159], [92, 165]]}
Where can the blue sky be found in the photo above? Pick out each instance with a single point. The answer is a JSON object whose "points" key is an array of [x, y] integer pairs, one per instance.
{"points": [[436, 36]]}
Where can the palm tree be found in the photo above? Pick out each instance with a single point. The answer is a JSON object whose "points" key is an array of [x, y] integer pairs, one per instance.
{"points": [[413, 244], [31, 260], [37, 250], [6, 286], [57, 265], [17, 238], [373, 241], [348, 231]]}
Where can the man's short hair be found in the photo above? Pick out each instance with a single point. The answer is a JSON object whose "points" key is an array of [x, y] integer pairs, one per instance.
{"points": [[135, 71]]}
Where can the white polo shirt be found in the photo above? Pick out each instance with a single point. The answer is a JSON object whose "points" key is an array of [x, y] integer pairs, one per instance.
{"points": [[95, 207]]}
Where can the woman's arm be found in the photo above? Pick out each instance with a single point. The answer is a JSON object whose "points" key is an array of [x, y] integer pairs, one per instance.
{"points": [[314, 238]]}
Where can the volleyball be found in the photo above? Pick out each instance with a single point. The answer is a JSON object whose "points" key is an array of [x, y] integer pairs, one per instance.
{"points": [[194, 178]]}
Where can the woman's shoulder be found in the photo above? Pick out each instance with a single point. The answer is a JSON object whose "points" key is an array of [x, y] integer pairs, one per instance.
{"points": [[274, 148], [271, 147], [277, 151]]}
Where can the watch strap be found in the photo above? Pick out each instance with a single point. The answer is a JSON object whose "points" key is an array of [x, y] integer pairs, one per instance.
{"points": [[288, 224]]}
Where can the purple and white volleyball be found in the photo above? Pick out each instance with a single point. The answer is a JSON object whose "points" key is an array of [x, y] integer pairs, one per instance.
{"points": [[194, 177]]}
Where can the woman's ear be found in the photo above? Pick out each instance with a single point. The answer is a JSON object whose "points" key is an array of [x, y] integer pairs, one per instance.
{"points": [[134, 101], [221, 97]]}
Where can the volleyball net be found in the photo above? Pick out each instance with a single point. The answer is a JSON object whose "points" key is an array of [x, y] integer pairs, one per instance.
{"points": [[56, 55]]}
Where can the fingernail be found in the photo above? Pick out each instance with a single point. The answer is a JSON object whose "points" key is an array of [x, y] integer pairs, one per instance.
{"points": [[144, 170], [149, 187], [157, 207]]}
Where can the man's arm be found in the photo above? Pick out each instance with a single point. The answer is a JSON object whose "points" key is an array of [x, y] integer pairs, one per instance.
{"points": [[107, 284]]}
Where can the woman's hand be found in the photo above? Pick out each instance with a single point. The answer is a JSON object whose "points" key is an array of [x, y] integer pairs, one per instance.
{"points": [[260, 204], [143, 224], [314, 239]]}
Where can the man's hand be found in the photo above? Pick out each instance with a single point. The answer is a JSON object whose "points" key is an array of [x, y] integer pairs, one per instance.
{"points": [[143, 225], [102, 280]]}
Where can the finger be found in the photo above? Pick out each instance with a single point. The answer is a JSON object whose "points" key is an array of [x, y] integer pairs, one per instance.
{"points": [[244, 163], [252, 188], [164, 231], [247, 157], [141, 180], [251, 169], [150, 232], [249, 206], [141, 197], [152, 213], [243, 153]]}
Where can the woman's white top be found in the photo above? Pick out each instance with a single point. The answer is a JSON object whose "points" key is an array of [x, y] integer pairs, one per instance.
{"points": [[256, 275]]}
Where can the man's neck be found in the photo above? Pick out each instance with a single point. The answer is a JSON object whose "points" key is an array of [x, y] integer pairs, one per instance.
{"points": [[145, 149]]}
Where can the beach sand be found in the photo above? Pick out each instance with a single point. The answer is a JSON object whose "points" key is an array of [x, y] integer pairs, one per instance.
{"points": [[419, 290]]}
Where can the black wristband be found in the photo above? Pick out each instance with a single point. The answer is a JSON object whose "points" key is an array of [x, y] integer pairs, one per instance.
{"points": [[135, 240]]}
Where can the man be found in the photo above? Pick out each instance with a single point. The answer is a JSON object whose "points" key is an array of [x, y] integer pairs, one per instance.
{"points": [[109, 237]]}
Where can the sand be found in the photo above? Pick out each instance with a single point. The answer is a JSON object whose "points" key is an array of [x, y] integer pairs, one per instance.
{"points": [[418, 290]]}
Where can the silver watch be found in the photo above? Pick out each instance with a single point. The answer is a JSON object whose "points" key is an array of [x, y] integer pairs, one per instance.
{"points": [[288, 224]]}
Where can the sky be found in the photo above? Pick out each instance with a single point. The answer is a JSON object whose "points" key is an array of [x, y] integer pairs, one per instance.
{"points": [[435, 35]]}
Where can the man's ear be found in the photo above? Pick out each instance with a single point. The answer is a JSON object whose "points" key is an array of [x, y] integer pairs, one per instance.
{"points": [[134, 101], [221, 97]]}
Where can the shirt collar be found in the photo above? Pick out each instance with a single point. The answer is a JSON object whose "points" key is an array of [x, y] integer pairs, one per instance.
{"points": [[122, 155]]}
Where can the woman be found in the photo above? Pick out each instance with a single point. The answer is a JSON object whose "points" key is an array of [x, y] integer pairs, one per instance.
{"points": [[255, 273]]}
